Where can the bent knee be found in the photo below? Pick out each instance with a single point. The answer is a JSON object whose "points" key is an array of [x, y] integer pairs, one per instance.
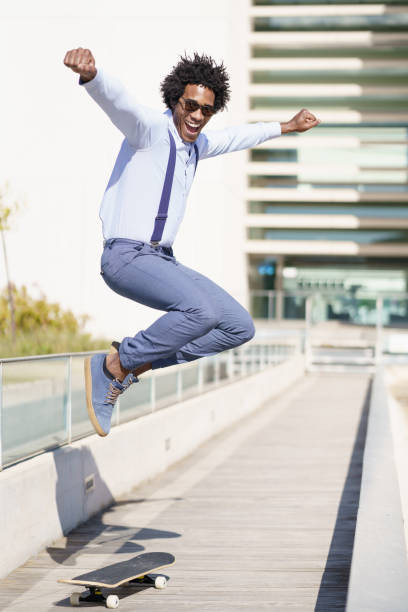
{"points": [[246, 330], [249, 330]]}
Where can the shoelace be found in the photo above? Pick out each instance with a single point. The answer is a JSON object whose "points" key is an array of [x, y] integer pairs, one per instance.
{"points": [[112, 394], [132, 379]]}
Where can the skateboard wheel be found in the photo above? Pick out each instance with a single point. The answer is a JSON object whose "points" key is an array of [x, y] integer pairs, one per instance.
{"points": [[160, 582], [112, 601], [75, 599]]}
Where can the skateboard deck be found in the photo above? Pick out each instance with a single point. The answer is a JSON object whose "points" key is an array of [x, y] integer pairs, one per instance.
{"points": [[134, 571]]}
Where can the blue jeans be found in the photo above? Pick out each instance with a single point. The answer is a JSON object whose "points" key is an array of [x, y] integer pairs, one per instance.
{"points": [[201, 318]]}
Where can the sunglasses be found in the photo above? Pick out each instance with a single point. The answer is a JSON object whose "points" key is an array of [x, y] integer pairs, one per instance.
{"points": [[191, 106]]}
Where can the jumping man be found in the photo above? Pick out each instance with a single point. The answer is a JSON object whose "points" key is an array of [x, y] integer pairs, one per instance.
{"points": [[141, 212]]}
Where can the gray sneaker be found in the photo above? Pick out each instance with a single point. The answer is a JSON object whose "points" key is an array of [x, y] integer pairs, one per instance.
{"points": [[102, 393]]}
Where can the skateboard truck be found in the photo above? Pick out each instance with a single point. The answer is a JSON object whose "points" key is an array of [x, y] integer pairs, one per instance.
{"points": [[112, 601], [159, 582], [95, 596]]}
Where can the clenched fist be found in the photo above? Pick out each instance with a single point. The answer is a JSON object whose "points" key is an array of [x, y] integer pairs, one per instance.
{"points": [[81, 61], [302, 121]]}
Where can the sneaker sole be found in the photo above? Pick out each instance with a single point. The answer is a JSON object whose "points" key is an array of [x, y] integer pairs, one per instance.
{"points": [[88, 391]]}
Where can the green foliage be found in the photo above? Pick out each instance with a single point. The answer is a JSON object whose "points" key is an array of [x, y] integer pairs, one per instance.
{"points": [[42, 327]]}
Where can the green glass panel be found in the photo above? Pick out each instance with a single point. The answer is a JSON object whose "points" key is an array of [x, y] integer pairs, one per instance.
{"points": [[190, 378], [379, 52], [137, 399], [375, 77], [34, 407], [370, 210], [81, 425], [359, 236], [377, 23], [391, 181], [381, 103], [274, 155], [306, 2], [166, 389], [294, 307]]}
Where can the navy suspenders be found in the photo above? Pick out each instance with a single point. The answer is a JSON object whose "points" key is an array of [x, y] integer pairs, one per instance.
{"points": [[161, 217]]}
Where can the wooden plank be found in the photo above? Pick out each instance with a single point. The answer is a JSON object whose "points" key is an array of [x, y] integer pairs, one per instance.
{"points": [[270, 525]]}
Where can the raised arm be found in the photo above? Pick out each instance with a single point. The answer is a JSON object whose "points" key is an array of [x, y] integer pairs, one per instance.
{"points": [[140, 125], [303, 120], [217, 142]]}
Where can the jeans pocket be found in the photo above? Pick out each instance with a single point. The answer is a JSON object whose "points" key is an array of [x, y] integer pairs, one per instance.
{"points": [[116, 257]]}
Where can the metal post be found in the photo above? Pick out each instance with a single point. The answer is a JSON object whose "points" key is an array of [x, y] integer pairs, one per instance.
{"points": [[179, 385], [153, 391], [216, 371], [265, 355], [200, 381], [279, 305], [308, 329], [379, 327], [230, 364], [243, 362], [248, 360], [69, 402], [279, 309]]}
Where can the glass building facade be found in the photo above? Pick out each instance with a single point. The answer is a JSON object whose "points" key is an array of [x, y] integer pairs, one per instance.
{"points": [[327, 209]]}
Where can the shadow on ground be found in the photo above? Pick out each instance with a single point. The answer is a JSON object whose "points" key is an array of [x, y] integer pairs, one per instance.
{"points": [[334, 583], [92, 537]]}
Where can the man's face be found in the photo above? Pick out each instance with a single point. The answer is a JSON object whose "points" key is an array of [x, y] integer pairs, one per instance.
{"points": [[189, 123]]}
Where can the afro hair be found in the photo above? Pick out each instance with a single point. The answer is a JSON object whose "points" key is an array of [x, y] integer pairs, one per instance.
{"points": [[196, 70]]}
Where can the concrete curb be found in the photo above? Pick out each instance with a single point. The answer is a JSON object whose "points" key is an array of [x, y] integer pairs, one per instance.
{"points": [[379, 570]]}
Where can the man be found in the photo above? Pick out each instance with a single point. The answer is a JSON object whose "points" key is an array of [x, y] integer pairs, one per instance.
{"points": [[141, 211]]}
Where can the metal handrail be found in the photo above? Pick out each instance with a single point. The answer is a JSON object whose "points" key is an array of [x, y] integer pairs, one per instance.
{"points": [[61, 392], [49, 356]]}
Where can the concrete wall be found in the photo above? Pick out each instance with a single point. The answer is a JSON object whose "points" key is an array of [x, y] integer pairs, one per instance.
{"points": [[45, 497]]}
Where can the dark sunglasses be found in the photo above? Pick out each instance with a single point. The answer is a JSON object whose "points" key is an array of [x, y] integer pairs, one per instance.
{"points": [[191, 106]]}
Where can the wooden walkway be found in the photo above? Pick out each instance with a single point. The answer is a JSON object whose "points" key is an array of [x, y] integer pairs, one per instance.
{"points": [[262, 517]]}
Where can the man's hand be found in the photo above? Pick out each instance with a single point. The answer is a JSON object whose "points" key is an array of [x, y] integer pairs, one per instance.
{"points": [[81, 61], [302, 121]]}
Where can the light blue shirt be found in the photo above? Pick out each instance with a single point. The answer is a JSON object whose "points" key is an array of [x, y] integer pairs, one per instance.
{"points": [[131, 200]]}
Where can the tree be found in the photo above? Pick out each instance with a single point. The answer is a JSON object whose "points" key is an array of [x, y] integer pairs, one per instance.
{"points": [[6, 211]]}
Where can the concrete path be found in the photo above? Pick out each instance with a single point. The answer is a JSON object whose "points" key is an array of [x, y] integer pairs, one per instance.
{"points": [[262, 517]]}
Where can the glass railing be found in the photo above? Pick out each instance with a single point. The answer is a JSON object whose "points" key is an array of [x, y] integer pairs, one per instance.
{"points": [[42, 398], [356, 308]]}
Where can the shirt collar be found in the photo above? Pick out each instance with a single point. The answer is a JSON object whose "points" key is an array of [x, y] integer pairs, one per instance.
{"points": [[174, 131]]}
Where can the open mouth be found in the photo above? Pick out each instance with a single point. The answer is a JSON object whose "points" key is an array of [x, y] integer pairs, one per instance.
{"points": [[192, 128]]}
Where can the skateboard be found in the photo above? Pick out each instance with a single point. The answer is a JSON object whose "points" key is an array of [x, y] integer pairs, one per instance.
{"points": [[133, 572]]}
